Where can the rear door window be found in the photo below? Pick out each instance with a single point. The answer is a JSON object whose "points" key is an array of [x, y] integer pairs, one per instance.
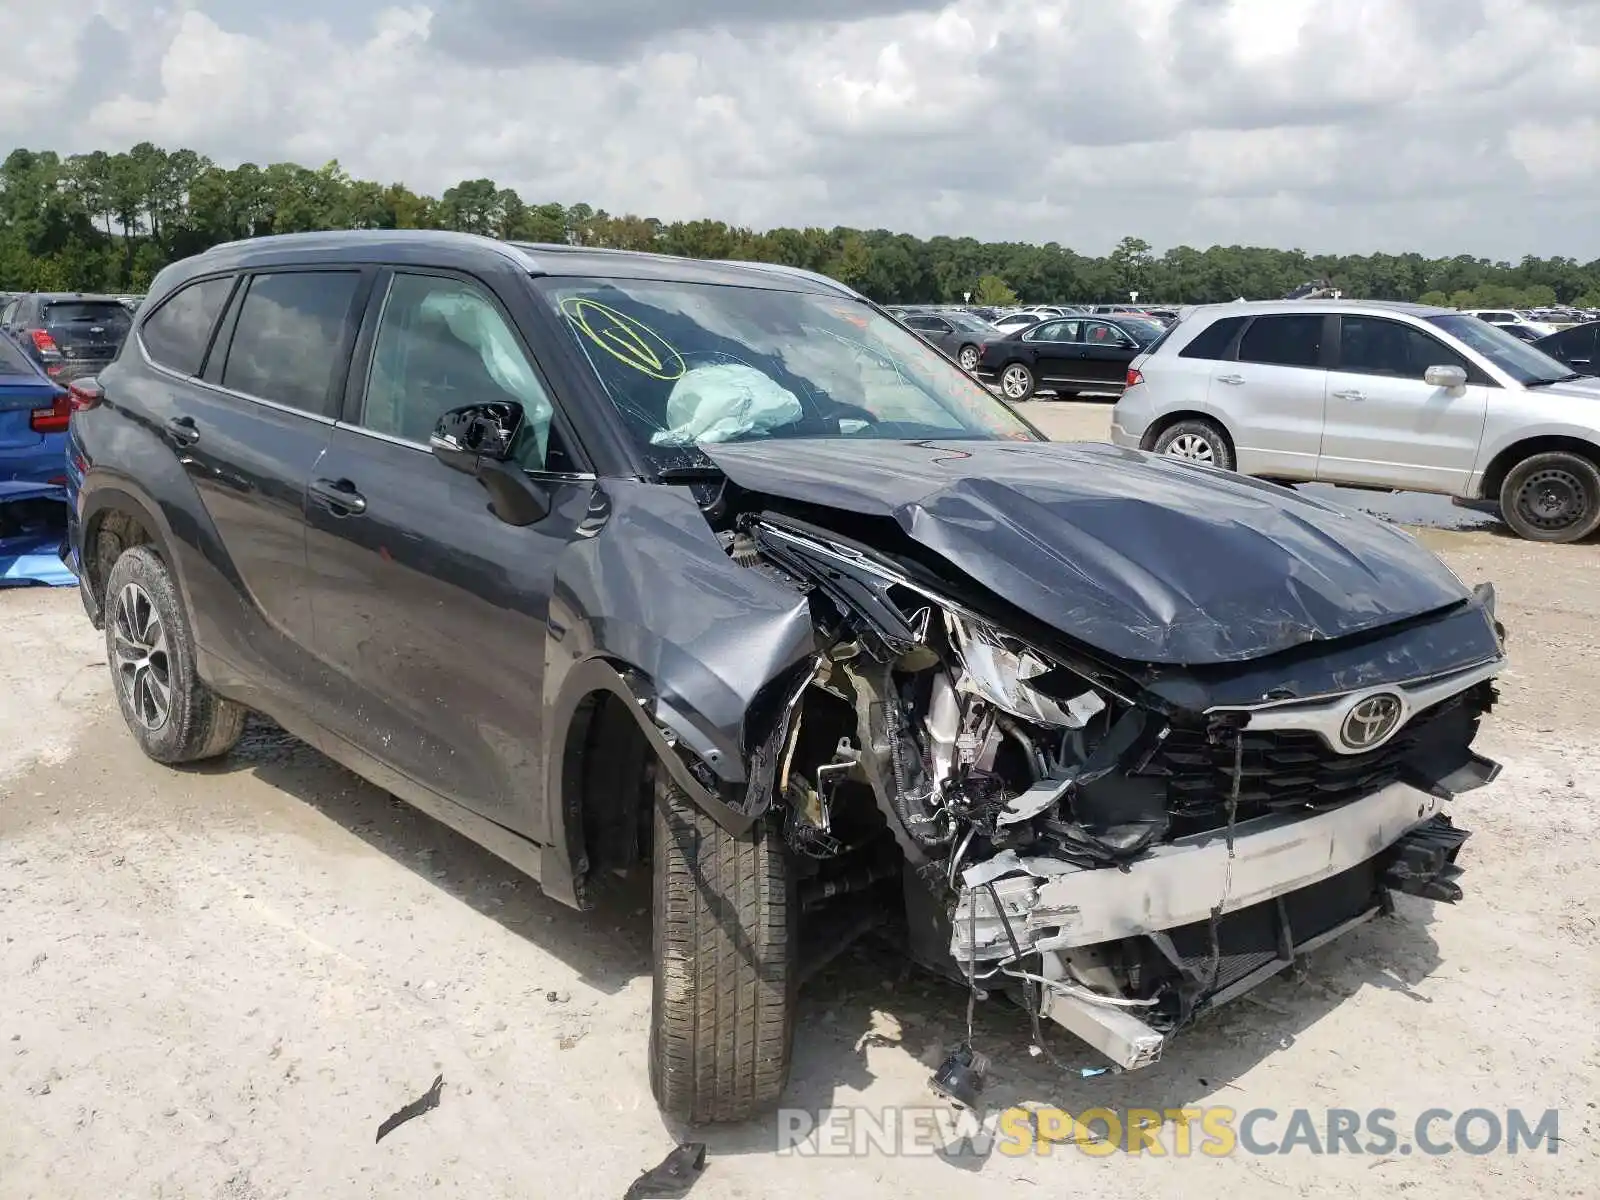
{"points": [[1283, 341], [176, 334], [291, 340]]}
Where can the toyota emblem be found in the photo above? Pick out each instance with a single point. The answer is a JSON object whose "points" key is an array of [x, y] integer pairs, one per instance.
{"points": [[1371, 722]]}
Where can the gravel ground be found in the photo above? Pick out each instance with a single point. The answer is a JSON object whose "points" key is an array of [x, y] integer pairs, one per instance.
{"points": [[220, 981]]}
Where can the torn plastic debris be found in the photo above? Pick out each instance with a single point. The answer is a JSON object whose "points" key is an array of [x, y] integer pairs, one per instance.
{"points": [[672, 1177], [33, 523], [427, 1102], [722, 401]]}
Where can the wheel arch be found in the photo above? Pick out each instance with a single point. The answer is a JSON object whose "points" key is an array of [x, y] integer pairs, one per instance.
{"points": [[1494, 475], [113, 517], [1166, 421]]}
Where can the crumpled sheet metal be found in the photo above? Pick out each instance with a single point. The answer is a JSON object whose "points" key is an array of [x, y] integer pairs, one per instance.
{"points": [[30, 549]]}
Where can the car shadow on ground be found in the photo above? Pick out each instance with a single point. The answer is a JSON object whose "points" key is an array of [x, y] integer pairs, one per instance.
{"points": [[869, 997], [608, 946]]}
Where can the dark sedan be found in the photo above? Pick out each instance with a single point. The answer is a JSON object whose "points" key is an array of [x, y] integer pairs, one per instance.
{"points": [[1076, 354], [959, 335], [1578, 347]]}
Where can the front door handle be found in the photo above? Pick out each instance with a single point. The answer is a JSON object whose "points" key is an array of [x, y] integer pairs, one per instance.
{"points": [[340, 496], [1349, 395], [1235, 380], [182, 431]]}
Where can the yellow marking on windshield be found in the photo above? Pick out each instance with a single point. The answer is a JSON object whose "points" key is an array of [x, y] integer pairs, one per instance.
{"points": [[627, 339]]}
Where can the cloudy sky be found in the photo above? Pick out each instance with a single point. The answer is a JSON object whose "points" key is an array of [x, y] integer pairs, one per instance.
{"points": [[1446, 126]]}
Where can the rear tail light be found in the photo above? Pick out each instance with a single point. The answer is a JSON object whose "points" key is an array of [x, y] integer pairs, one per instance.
{"points": [[45, 344], [53, 419], [83, 394], [1134, 377]]}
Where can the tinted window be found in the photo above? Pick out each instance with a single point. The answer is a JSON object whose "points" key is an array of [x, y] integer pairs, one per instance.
{"points": [[1287, 341], [1572, 345], [177, 333], [443, 344], [1373, 346], [287, 343], [1213, 341], [1098, 333], [1053, 331], [109, 313], [919, 322]]}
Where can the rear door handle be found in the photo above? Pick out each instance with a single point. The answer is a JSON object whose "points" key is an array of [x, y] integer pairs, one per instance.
{"points": [[1349, 395], [340, 496], [1235, 380], [182, 431]]}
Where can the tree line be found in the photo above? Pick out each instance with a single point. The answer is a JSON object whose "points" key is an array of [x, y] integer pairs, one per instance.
{"points": [[109, 221]]}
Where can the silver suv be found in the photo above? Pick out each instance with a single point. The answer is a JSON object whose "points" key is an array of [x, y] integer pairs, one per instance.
{"points": [[1396, 397]]}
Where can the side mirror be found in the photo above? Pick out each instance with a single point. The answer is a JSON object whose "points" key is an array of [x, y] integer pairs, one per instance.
{"points": [[1449, 378], [477, 440]]}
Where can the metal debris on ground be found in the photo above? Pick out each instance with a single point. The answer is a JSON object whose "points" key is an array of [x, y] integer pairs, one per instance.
{"points": [[673, 1178], [426, 1102]]}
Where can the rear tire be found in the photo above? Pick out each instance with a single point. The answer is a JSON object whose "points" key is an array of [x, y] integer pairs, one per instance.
{"points": [[722, 1012], [968, 358], [1017, 382], [1552, 497], [1197, 440], [173, 716]]}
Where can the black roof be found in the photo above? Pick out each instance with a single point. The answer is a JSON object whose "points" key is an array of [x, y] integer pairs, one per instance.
{"points": [[419, 245]]}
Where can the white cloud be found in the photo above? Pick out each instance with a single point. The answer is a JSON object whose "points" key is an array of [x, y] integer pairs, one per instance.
{"points": [[1439, 125]]}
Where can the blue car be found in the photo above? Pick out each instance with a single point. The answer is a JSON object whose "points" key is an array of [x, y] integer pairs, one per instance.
{"points": [[33, 420]]}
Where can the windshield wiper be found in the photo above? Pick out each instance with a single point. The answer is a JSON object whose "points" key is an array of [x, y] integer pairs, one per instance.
{"points": [[1560, 379]]}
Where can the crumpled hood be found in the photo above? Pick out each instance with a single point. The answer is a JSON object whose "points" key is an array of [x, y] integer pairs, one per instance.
{"points": [[1144, 558]]}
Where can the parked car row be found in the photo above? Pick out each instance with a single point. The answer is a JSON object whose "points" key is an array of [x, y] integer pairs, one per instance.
{"points": [[1397, 397], [48, 339]]}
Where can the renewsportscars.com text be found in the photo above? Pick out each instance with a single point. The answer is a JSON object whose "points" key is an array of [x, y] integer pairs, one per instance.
{"points": [[1212, 1132]]}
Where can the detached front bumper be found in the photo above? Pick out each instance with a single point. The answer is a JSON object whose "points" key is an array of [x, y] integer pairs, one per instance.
{"points": [[1288, 884]]}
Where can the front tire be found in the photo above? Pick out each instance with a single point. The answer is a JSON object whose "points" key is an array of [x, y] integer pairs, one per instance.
{"points": [[722, 1012], [1198, 441], [1552, 497], [173, 716]]}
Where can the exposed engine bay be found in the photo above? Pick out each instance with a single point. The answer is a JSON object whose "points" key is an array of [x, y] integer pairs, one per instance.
{"points": [[1059, 827]]}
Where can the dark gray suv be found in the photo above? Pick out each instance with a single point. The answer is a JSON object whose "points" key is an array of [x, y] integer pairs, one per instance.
{"points": [[617, 561]]}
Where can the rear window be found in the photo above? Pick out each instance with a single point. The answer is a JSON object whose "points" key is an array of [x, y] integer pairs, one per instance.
{"points": [[1213, 341], [12, 360], [109, 313], [1283, 341]]}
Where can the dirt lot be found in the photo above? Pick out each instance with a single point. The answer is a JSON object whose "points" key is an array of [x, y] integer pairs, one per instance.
{"points": [[218, 982]]}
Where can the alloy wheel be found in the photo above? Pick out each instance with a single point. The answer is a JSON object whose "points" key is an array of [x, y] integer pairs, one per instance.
{"points": [[969, 357], [1193, 447], [143, 666], [1015, 382]]}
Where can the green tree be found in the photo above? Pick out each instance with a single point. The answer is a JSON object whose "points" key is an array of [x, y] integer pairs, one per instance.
{"points": [[992, 289]]}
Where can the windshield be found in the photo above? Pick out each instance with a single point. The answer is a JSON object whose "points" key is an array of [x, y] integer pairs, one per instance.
{"points": [[1515, 357], [970, 323], [686, 363]]}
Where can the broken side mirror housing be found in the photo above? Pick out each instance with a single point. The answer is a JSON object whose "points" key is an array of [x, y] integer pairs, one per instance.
{"points": [[477, 440]]}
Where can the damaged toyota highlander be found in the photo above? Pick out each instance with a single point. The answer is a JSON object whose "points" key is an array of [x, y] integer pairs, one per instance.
{"points": [[620, 562]]}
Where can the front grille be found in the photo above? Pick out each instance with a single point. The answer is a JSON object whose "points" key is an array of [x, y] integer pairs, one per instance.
{"points": [[1280, 769]]}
